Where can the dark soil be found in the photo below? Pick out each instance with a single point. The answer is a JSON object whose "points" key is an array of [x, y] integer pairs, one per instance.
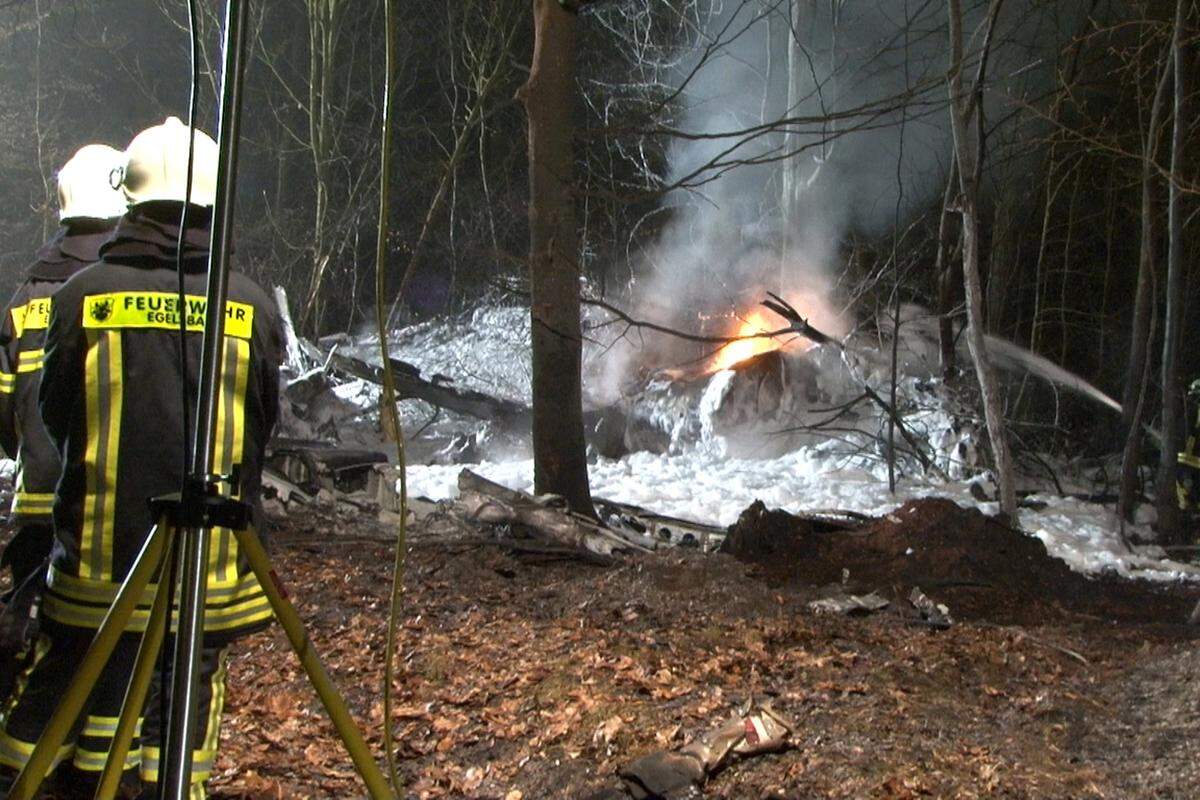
{"points": [[980, 568]]}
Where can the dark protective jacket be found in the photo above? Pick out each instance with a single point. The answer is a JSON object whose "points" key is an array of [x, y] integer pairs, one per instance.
{"points": [[1187, 482], [111, 402], [22, 335]]}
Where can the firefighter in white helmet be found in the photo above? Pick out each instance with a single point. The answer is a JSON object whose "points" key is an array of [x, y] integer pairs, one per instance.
{"points": [[89, 206], [110, 400]]}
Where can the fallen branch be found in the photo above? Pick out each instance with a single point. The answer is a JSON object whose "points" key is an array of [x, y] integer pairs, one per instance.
{"points": [[798, 325], [1021, 634], [411, 386]]}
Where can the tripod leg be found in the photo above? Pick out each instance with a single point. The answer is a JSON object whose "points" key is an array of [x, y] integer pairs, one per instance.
{"points": [[335, 706], [135, 695], [94, 661]]}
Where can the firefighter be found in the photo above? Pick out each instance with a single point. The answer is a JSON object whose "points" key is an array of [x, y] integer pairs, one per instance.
{"points": [[1188, 475], [88, 210], [110, 399]]}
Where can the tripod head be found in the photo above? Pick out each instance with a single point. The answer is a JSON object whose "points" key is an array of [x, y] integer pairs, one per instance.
{"points": [[202, 505]]}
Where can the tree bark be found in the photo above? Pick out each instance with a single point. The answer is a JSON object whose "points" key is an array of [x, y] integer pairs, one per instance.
{"points": [[965, 111], [1001, 262], [559, 449], [947, 276], [1169, 517], [790, 182], [1137, 375]]}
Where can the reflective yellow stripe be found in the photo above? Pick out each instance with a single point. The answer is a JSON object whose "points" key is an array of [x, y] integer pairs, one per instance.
{"points": [[1189, 460], [102, 371], [30, 360], [92, 761], [87, 535], [250, 607], [216, 706], [116, 402], [14, 752], [86, 591], [227, 450], [106, 726], [252, 612], [31, 504], [218, 542], [160, 310], [202, 764], [8, 382]]}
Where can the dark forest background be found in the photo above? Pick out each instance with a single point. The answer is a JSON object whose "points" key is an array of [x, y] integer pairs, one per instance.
{"points": [[1069, 147]]}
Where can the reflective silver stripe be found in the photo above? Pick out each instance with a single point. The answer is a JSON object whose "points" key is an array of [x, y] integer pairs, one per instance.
{"points": [[106, 726], [14, 752], [202, 763], [92, 761]]}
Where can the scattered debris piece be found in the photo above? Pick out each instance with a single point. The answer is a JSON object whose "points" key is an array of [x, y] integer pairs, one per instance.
{"points": [[937, 615], [666, 772], [850, 604], [316, 465], [484, 501], [660, 529]]}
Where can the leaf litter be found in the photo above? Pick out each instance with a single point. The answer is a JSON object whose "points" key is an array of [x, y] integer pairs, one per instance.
{"points": [[520, 678]]}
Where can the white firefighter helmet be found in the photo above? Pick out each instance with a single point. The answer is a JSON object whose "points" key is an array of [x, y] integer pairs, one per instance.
{"points": [[157, 165], [84, 188]]}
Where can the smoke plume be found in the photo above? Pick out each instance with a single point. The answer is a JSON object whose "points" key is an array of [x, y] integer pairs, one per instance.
{"points": [[804, 122]]}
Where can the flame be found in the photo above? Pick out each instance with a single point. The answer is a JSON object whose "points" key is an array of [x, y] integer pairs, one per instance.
{"points": [[749, 324]]}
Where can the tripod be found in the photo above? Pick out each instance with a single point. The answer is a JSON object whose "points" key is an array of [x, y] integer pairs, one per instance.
{"points": [[180, 539], [163, 542]]}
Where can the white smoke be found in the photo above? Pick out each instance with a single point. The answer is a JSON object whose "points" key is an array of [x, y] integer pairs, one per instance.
{"points": [[867, 144]]}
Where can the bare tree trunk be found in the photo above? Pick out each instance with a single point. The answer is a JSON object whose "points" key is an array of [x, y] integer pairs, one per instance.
{"points": [[323, 18], [559, 451], [965, 116], [790, 183], [1137, 375], [1169, 518], [947, 275], [1005, 244]]}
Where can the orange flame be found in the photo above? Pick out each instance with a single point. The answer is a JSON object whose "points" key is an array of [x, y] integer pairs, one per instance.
{"points": [[735, 352]]}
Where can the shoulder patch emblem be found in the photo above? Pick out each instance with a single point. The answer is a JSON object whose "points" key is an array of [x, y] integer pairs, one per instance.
{"points": [[101, 309]]}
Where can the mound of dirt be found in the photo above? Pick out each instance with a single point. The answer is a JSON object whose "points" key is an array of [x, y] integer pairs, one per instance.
{"points": [[980, 568]]}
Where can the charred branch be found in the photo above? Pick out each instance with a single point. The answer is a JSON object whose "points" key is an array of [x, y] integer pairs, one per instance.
{"points": [[410, 385]]}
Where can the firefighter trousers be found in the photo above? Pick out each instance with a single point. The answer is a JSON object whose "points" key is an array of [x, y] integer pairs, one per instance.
{"points": [[28, 550], [53, 659]]}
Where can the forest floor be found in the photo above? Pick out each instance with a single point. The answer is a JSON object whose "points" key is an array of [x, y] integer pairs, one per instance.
{"points": [[521, 678]]}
